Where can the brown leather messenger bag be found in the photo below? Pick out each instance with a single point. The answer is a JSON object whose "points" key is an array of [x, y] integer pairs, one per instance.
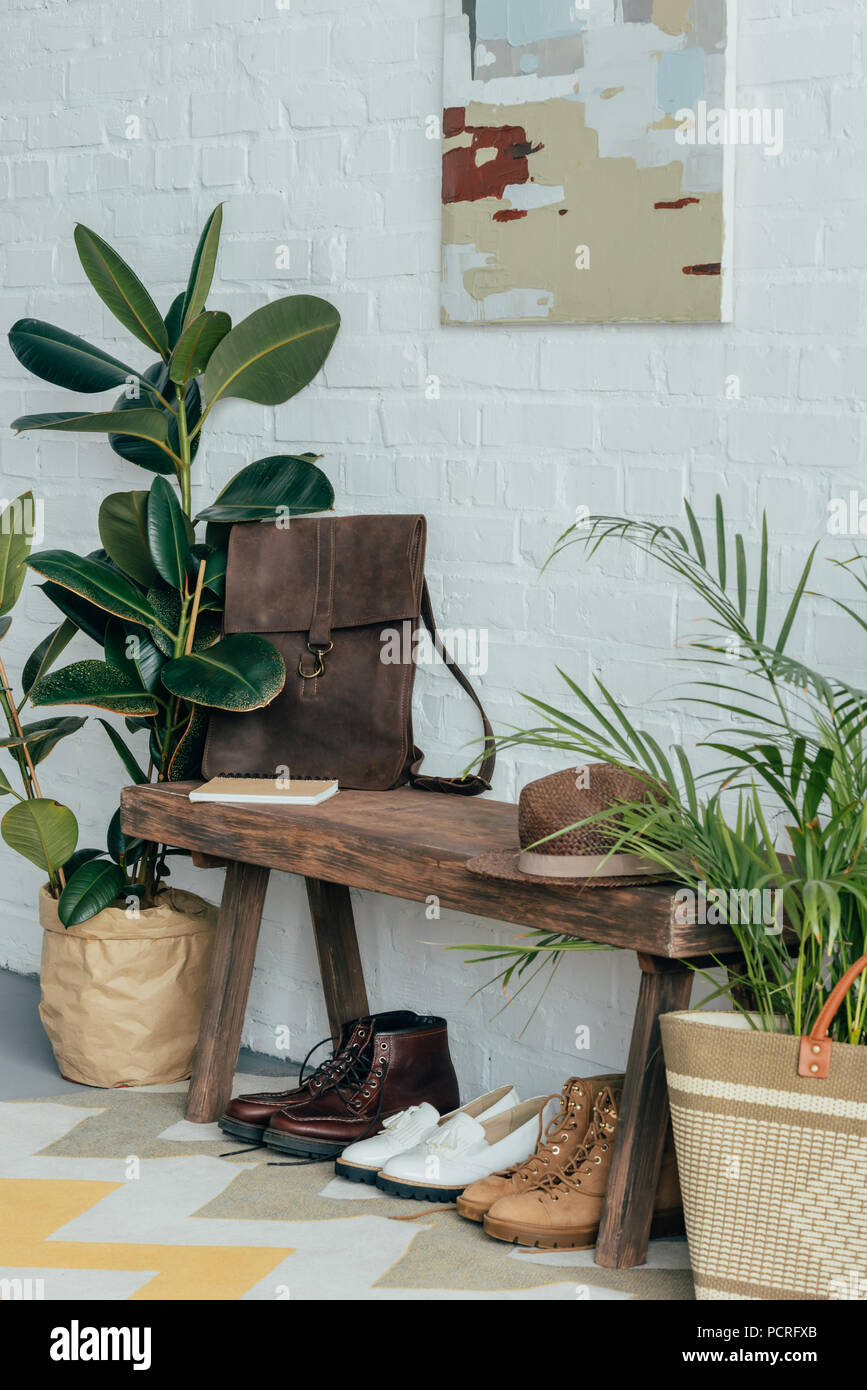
{"points": [[335, 595]]}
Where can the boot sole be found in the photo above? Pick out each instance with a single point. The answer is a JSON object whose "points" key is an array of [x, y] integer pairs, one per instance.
{"points": [[420, 1192], [237, 1129], [299, 1147], [470, 1211], [355, 1172], [664, 1223]]}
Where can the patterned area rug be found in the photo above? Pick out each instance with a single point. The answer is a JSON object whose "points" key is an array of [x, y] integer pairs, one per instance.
{"points": [[113, 1195]]}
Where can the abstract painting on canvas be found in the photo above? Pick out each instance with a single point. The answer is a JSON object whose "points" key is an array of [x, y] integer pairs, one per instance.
{"points": [[583, 181]]}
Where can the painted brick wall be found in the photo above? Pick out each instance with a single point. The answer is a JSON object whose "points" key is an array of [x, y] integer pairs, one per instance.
{"points": [[308, 119]]}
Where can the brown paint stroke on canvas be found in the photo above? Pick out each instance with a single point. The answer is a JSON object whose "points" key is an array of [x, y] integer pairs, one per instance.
{"points": [[678, 203], [510, 214], [711, 268], [611, 201], [505, 149]]}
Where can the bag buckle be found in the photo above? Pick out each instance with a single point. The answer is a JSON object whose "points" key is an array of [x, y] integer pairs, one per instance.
{"points": [[320, 653]]}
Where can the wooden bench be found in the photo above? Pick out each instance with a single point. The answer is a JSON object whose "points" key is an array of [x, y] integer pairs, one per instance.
{"points": [[414, 844]]}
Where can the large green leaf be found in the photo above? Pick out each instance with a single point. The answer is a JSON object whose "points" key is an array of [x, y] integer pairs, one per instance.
{"points": [[186, 760], [197, 342], [16, 538], [169, 534], [202, 270], [94, 683], [215, 567], [281, 485], [120, 288], [124, 849], [151, 425], [94, 886], [96, 581], [42, 831], [274, 352], [147, 659], [140, 451], [166, 604], [117, 650], [131, 649], [42, 735], [64, 359], [81, 856], [175, 318], [125, 754], [240, 673], [86, 616], [123, 530], [43, 657]]}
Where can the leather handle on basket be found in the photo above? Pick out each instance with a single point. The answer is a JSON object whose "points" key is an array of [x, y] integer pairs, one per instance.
{"points": [[814, 1057]]}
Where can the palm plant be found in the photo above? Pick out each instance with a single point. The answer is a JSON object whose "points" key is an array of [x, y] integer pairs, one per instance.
{"points": [[795, 734], [151, 596]]}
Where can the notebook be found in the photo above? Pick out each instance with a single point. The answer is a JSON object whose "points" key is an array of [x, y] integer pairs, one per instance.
{"points": [[267, 791]]}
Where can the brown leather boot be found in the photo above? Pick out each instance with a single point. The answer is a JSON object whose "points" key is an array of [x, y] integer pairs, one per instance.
{"points": [[247, 1117], [559, 1142], [399, 1066], [563, 1209]]}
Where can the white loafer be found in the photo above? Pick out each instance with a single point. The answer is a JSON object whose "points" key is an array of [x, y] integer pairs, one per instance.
{"points": [[361, 1162], [464, 1149]]}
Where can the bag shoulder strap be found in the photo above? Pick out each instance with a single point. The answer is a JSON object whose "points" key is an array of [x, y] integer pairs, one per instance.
{"points": [[476, 782]]}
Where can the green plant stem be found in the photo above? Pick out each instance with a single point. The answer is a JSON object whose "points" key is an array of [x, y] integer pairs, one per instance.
{"points": [[183, 471]]}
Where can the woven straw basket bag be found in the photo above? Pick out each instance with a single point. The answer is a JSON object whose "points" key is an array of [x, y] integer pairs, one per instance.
{"points": [[771, 1139]]}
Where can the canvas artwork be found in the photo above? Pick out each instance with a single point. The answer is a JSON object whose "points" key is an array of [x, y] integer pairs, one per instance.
{"points": [[583, 180]]}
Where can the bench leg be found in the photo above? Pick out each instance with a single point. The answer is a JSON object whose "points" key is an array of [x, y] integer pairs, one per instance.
{"points": [[228, 987], [628, 1210], [337, 948]]}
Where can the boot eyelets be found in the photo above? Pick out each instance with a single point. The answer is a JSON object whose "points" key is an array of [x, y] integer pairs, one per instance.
{"points": [[597, 1159], [555, 1150]]}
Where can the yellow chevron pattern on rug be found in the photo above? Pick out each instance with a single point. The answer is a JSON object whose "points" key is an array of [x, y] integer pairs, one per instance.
{"points": [[32, 1210]]}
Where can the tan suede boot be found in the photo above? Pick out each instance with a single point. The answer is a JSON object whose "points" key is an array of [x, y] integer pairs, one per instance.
{"points": [[563, 1208], [553, 1149]]}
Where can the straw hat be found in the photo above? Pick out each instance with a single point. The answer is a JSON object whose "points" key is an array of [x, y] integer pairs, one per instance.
{"points": [[561, 799]]}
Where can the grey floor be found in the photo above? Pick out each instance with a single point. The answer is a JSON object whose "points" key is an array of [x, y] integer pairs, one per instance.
{"points": [[27, 1066]]}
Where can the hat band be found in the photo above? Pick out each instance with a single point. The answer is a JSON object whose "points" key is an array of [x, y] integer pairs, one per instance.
{"points": [[585, 865]]}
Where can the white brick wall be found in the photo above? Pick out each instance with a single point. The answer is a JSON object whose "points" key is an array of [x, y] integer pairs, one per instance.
{"points": [[308, 118]]}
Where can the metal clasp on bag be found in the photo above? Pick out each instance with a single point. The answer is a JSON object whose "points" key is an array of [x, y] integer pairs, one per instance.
{"points": [[320, 653]]}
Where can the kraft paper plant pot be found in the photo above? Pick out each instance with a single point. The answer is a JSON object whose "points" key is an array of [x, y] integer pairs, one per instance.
{"points": [[773, 1165], [122, 996]]}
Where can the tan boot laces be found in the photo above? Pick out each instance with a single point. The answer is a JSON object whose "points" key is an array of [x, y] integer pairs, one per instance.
{"points": [[547, 1149], [599, 1136]]}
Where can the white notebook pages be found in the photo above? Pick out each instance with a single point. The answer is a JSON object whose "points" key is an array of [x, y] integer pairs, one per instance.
{"points": [[266, 791]]}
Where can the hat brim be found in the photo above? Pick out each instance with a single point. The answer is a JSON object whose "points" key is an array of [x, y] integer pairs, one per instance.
{"points": [[503, 864]]}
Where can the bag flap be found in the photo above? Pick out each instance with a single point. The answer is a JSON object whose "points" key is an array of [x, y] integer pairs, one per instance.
{"points": [[374, 566]]}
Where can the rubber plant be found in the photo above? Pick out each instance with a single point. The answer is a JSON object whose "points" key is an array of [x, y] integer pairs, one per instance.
{"points": [[151, 596], [36, 826]]}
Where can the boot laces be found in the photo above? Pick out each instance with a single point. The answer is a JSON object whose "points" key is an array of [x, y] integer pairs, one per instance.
{"points": [[323, 1073], [597, 1140], [547, 1148]]}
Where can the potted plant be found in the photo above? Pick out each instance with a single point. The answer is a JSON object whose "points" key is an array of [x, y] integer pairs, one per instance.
{"points": [[766, 1153], [151, 598]]}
